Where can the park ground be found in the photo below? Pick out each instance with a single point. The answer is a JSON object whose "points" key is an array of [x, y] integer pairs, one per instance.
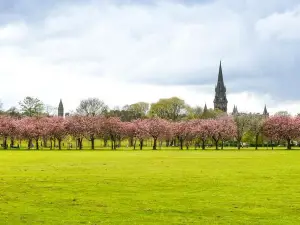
{"points": [[149, 187]]}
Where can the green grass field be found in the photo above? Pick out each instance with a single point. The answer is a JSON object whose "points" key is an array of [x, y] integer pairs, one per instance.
{"points": [[149, 187]]}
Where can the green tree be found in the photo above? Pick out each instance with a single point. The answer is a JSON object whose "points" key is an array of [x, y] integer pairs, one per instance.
{"points": [[212, 114], [31, 106], [137, 110], [92, 107], [169, 108], [13, 112], [242, 122], [193, 112], [255, 127]]}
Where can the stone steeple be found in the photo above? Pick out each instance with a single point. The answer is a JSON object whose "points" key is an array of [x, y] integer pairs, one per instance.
{"points": [[205, 108], [220, 101], [265, 113], [60, 109], [235, 110]]}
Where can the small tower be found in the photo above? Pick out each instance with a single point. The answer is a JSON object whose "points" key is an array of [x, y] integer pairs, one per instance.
{"points": [[265, 113], [220, 101], [60, 109], [235, 110], [205, 108]]}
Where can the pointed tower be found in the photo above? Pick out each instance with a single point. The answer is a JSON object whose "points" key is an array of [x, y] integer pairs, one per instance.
{"points": [[265, 113], [235, 110], [220, 101], [205, 108], [60, 109]]}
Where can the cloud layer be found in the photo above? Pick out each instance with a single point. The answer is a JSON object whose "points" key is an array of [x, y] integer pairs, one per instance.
{"points": [[125, 51]]}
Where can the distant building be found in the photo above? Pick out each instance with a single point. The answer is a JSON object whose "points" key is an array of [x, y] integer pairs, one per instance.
{"points": [[220, 101], [265, 113], [60, 109]]}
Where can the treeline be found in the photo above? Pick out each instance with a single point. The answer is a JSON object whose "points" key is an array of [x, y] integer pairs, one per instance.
{"points": [[169, 121], [174, 109], [195, 132]]}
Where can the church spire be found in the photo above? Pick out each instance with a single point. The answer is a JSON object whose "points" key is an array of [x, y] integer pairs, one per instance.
{"points": [[60, 109], [235, 110], [205, 108], [265, 113], [220, 76], [220, 101]]}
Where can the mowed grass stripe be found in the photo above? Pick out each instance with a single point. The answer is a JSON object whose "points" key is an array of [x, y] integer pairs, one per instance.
{"points": [[152, 187]]}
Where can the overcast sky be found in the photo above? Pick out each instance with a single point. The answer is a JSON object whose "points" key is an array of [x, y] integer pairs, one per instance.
{"points": [[128, 51]]}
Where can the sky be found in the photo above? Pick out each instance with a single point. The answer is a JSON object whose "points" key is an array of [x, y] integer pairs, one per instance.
{"points": [[126, 51]]}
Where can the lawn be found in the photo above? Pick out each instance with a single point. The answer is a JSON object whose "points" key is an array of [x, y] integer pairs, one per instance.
{"points": [[149, 187]]}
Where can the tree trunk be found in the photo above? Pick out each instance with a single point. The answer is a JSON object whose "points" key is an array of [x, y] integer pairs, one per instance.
{"points": [[37, 144], [256, 142], [105, 142], [79, 140], [92, 142], [289, 147], [29, 143], [272, 145], [154, 143], [141, 144], [239, 144], [131, 142], [181, 143], [51, 145], [12, 141], [216, 143], [134, 144], [5, 143], [222, 146], [45, 143], [203, 144], [59, 144], [112, 145]]}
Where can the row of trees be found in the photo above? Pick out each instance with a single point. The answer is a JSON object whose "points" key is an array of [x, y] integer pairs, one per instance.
{"points": [[196, 132], [174, 109]]}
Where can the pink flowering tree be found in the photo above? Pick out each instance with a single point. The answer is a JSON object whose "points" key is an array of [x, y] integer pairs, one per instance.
{"points": [[183, 132], [75, 126], [93, 126], [25, 129], [222, 129], [141, 131], [202, 130], [113, 128], [156, 128], [56, 129], [7, 129], [129, 129], [282, 127]]}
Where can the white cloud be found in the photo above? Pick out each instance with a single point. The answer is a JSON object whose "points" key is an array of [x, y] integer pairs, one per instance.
{"points": [[112, 52], [282, 26]]}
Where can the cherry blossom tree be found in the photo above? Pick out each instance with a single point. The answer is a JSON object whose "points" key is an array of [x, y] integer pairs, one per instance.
{"points": [[202, 130], [7, 129], [93, 126], [282, 127], [113, 128], [141, 131], [130, 132], [157, 128], [75, 126], [56, 129], [183, 131]]}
